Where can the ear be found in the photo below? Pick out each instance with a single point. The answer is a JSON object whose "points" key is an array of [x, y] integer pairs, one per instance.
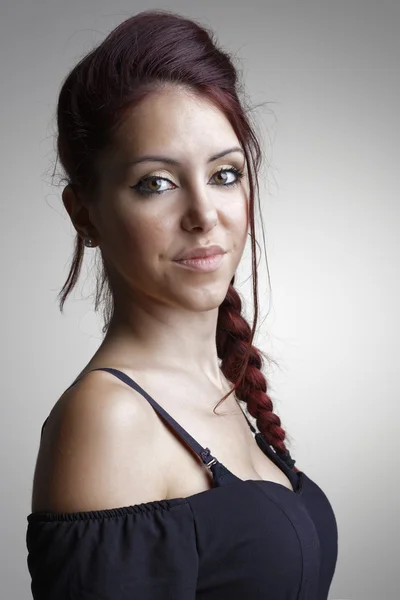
{"points": [[77, 208]]}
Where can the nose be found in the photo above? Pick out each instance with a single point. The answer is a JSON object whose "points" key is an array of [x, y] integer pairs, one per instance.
{"points": [[200, 210]]}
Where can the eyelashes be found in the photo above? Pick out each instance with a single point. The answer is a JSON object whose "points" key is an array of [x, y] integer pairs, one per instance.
{"points": [[239, 174]]}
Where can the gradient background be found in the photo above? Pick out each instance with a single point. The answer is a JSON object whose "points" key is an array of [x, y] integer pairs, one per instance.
{"points": [[329, 72]]}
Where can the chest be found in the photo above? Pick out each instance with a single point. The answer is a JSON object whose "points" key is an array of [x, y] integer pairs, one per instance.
{"points": [[225, 432]]}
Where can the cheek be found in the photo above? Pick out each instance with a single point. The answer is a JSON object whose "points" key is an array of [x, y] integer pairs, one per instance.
{"points": [[143, 237], [239, 221]]}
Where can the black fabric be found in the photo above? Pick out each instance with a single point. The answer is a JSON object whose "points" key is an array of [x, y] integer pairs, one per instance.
{"points": [[253, 540]]}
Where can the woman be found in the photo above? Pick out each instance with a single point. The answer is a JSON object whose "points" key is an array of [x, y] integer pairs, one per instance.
{"points": [[153, 499]]}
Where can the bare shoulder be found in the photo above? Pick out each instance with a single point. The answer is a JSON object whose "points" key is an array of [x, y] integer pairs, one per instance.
{"points": [[99, 450]]}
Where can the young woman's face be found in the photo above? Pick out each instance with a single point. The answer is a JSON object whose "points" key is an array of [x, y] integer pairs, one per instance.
{"points": [[141, 231]]}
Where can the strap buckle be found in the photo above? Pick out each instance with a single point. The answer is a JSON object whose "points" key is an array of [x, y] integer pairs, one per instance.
{"points": [[204, 455]]}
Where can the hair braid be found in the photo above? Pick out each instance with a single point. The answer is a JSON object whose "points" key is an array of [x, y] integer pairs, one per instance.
{"points": [[233, 339]]}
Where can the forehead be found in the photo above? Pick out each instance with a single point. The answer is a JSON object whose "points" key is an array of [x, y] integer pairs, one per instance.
{"points": [[176, 122]]}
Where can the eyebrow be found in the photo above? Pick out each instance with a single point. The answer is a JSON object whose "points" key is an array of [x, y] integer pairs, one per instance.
{"points": [[172, 161]]}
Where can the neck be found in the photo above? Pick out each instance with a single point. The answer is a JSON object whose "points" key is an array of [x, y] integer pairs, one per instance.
{"points": [[172, 340]]}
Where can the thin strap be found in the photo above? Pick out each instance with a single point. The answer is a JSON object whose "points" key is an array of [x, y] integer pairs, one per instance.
{"points": [[137, 387], [204, 453], [129, 381], [250, 425]]}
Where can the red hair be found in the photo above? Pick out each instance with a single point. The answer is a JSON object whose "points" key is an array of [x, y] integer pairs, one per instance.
{"points": [[146, 52]]}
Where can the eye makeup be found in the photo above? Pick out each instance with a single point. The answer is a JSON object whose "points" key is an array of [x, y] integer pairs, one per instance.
{"points": [[239, 174]]}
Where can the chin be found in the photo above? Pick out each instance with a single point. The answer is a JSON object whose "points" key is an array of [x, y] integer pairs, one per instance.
{"points": [[204, 298]]}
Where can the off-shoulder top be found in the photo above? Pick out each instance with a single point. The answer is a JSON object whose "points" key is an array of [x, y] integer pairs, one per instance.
{"points": [[239, 540]]}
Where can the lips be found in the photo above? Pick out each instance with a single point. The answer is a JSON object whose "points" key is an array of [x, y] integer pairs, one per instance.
{"points": [[200, 252]]}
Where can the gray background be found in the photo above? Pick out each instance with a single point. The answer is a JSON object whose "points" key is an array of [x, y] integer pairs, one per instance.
{"points": [[330, 71]]}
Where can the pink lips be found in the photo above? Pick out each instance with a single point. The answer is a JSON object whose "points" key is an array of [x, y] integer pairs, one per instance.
{"points": [[206, 264], [200, 252]]}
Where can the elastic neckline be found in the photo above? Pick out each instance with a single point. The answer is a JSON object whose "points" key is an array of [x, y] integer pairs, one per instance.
{"points": [[156, 505]]}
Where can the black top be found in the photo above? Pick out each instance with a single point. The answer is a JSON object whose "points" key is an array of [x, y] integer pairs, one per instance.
{"points": [[250, 539]]}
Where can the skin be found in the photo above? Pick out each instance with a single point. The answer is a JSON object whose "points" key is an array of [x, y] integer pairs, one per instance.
{"points": [[167, 312]]}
